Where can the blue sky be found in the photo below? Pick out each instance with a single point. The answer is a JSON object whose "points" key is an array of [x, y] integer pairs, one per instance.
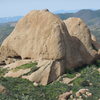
{"points": [[21, 7]]}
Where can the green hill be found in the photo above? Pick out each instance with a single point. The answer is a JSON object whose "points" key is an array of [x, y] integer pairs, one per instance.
{"points": [[5, 30]]}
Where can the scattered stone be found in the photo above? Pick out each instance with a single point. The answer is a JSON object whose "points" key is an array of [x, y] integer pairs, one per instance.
{"points": [[2, 89], [65, 96], [83, 91], [90, 84], [35, 84], [85, 95], [78, 94], [71, 97], [71, 84], [99, 69], [88, 94], [80, 97], [69, 80]]}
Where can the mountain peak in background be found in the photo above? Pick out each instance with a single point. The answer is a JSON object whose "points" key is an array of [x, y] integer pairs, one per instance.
{"points": [[65, 11]]}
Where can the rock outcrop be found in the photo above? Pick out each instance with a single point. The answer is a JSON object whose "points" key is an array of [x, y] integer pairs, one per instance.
{"points": [[77, 28], [42, 36], [39, 35], [18, 73]]}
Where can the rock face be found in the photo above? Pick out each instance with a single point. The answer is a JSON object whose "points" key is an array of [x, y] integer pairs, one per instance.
{"points": [[77, 28], [41, 35]]}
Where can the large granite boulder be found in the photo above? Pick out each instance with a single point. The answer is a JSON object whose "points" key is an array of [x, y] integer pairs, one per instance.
{"points": [[43, 37]]}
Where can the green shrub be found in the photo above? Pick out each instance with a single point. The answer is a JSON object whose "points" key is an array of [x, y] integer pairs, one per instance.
{"points": [[72, 75], [26, 66], [3, 71], [22, 89], [33, 69], [88, 75], [85, 83]]}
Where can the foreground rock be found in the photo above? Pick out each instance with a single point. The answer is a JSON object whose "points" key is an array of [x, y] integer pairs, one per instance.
{"points": [[2, 89], [65, 96], [17, 63], [43, 37], [18, 73], [47, 73], [79, 95]]}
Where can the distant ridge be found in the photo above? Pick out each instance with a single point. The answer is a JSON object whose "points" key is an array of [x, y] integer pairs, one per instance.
{"points": [[91, 17], [9, 19], [65, 11]]}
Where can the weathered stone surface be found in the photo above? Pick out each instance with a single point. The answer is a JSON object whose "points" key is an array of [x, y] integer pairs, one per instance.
{"points": [[20, 72], [17, 73], [77, 28], [47, 73], [17, 63], [39, 35]]}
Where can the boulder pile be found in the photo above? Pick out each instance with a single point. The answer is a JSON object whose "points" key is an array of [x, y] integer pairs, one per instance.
{"points": [[56, 45]]}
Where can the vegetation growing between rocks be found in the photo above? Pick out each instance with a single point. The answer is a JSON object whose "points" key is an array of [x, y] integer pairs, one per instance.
{"points": [[22, 89], [70, 73], [3, 71], [89, 79], [26, 66]]}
